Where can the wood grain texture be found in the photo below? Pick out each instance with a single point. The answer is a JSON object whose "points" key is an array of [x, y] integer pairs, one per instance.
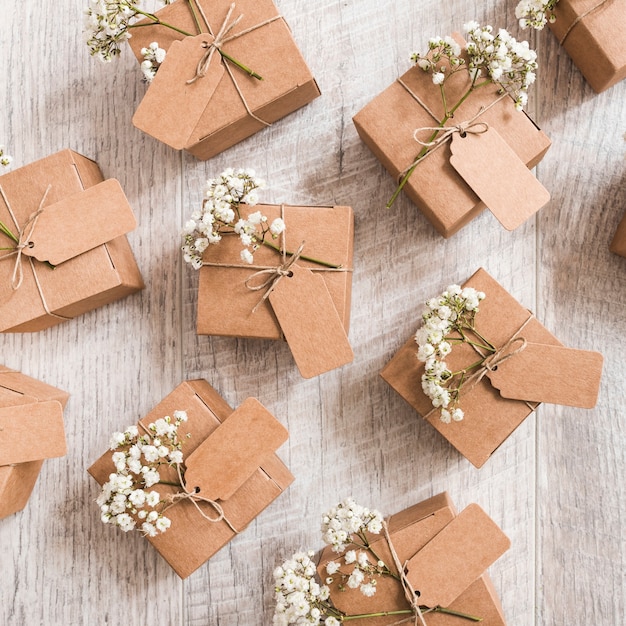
{"points": [[556, 487]]}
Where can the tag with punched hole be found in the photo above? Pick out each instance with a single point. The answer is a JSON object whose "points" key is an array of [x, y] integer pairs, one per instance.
{"points": [[554, 374], [80, 222], [231, 454], [309, 320], [171, 108], [31, 432], [450, 562], [497, 176]]}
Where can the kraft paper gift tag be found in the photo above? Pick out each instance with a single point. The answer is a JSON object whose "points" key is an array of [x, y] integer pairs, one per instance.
{"points": [[309, 320], [497, 176], [234, 451], [79, 223]]}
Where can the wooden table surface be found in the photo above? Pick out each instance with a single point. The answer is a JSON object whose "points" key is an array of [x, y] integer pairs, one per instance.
{"points": [[556, 486]]}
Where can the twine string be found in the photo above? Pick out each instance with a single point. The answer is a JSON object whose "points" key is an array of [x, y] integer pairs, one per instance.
{"points": [[24, 241], [219, 40], [409, 592], [580, 18]]}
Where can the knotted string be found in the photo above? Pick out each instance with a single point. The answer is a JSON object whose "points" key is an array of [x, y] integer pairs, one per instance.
{"points": [[193, 497], [409, 592], [218, 41], [581, 17], [468, 126], [491, 362], [24, 235]]}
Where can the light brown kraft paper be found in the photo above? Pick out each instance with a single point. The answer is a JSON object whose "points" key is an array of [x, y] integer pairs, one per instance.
{"points": [[618, 245], [192, 540], [99, 276], [225, 304], [387, 125], [17, 481], [269, 50], [411, 530], [489, 418], [596, 44]]}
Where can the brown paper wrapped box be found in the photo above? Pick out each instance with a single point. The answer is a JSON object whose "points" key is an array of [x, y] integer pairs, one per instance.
{"points": [[492, 409], [241, 472], [220, 114], [226, 304], [388, 122], [618, 245], [81, 231], [31, 422], [440, 566], [592, 33]]}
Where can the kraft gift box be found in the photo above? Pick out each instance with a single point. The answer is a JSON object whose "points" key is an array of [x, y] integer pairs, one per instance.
{"points": [[592, 34], [445, 556], [31, 424], [387, 126], [230, 459], [227, 305], [226, 105], [73, 255], [544, 371], [618, 245]]}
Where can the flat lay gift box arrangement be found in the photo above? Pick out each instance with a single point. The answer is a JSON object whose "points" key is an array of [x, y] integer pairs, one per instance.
{"points": [[65, 252], [31, 427], [202, 74], [618, 244], [209, 471], [508, 363], [308, 304], [464, 174], [592, 33], [425, 566]]}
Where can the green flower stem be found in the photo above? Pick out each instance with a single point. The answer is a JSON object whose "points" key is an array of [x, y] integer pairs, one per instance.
{"points": [[345, 618], [157, 20], [4, 229], [241, 66], [441, 609], [492, 347], [195, 15], [448, 115], [302, 256]]}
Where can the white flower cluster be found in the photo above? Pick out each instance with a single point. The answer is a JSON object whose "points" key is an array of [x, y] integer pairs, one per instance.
{"points": [[346, 519], [5, 159], [508, 62], [453, 310], [535, 13], [220, 215], [300, 599], [153, 57], [440, 48], [125, 500], [107, 24]]}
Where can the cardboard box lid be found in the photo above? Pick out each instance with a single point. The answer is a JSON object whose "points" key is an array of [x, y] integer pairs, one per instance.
{"points": [[55, 179], [280, 64], [192, 539], [17, 388], [31, 432], [328, 233], [417, 530]]}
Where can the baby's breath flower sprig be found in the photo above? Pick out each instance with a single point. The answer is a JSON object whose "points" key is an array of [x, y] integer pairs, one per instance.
{"points": [[5, 159], [108, 24], [153, 57], [220, 216], [498, 59], [125, 499], [535, 13], [302, 599], [454, 311]]}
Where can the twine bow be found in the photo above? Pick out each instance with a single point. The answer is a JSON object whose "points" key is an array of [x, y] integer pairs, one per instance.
{"points": [[24, 235]]}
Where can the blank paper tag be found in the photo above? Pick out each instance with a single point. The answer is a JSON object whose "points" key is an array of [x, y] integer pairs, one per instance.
{"points": [[309, 320], [31, 432], [497, 176], [81, 222], [171, 108], [554, 374], [234, 451], [448, 564]]}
